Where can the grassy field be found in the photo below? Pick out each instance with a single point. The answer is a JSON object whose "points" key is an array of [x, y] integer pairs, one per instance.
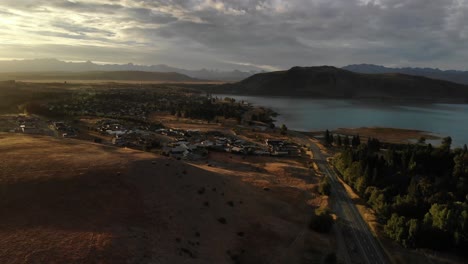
{"points": [[69, 201]]}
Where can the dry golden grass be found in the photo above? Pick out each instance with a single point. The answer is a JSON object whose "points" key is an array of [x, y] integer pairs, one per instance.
{"points": [[391, 135], [68, 201], [174, 122]]}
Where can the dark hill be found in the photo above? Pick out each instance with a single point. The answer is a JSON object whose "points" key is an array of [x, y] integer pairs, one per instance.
{"points": [[331, 82], [100, 75]]}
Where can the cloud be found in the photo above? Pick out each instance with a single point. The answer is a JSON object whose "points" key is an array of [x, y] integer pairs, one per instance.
{"points": [[261, 34], [255, 66]]}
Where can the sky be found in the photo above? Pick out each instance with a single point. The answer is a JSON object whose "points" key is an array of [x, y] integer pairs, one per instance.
{"points": [[239, 34]]}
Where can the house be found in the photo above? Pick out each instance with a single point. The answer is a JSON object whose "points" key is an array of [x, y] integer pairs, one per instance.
{"points": [[116, 132], [274, 142], [261, 152], [221, 141], [238, 150], [292, 149], [206, 143], [119, 141], [179, 151], [29, 129], [59, 126], [69, 133], [280, 153]]}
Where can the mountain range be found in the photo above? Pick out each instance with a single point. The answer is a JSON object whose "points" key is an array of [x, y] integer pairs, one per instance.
{"points": [[54, 65], [449, 75], [332, 82], [99, 76]]}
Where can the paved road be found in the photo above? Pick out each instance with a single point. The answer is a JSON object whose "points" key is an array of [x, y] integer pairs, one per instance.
{"points": [[363, 246]]}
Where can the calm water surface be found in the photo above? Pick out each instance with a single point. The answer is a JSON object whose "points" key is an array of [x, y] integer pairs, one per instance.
{"points": [[319, 114]]}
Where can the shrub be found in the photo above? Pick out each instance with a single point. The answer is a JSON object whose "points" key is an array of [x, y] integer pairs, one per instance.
{"points": [[325, 186], [321, 221]]}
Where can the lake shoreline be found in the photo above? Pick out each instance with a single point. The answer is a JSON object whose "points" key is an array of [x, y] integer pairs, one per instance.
{"points": [[383, 100], [422, 119]]}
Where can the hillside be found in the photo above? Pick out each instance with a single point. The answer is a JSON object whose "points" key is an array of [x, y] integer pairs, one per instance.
{"points": [[331, 82], [449, 75], [100, 75], [69, 201]]}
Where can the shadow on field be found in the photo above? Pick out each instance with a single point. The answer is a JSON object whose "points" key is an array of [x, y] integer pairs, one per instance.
{"points": [[155, 205], [92, 201]]}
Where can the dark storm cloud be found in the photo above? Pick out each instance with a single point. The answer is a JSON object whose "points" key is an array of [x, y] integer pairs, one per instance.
{"points": [[267, 33]]}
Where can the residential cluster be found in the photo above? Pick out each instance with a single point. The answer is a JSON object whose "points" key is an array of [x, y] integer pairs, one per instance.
{"points": [[195, 144], [64, 130], [27, 124], [282, 148], [134, 104], [24, 124]]}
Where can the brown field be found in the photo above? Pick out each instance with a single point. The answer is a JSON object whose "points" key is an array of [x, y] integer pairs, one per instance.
{"points": [[172, 121], [68, 201], [288, 178], [260, 136], [390, 135]]}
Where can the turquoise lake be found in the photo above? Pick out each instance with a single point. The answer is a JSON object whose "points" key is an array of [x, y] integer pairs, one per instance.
{"points": [[319, 114]]}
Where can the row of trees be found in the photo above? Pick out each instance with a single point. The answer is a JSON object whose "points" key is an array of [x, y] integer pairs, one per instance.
{"points": [[419, 192], [341, 140]]}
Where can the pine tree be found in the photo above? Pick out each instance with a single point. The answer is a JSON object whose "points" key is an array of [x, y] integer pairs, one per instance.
{"points": [[338, 141], [354, 142], [328, 137], [284, 129], [346, 141]]}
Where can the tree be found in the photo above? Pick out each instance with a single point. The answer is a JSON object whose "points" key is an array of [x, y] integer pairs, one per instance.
{"points": [[356, 141], [330, 258], [373, 144], [378, 202], [321, 221], [346, 141], [446, 143], [284, 129], [325, 186], [422, 140], [361, 185], [338, 141], [328, 137], [419, 191], [413, 230], [396, 228]]}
